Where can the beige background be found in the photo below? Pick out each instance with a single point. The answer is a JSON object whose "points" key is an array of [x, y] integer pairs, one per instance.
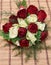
{"points": [[44, 58]]}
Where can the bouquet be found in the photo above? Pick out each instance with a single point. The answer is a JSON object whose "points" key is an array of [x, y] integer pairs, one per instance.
{"points": [[27, 29]]}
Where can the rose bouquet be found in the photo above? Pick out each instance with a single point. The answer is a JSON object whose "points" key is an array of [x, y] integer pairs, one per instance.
{"points": [[27, 29]]}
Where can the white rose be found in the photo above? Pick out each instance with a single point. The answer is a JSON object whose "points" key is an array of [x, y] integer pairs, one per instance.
{"points": [[22, 23], [32, 18], [41, 26], [31, 37], [15, 25], [17, 43], [13, 32]]}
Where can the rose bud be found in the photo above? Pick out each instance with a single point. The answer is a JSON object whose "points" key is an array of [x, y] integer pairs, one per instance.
{"points": [[44, 35], [13, 19], [41, 15], [24, 43], [22, 7], [32, 9], [6, 27], [22, 13], [22, 32], [32, 28]]}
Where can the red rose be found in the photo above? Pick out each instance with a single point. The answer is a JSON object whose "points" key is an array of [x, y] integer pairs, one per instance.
{"points": [[13, 19], [44, 34], [22, 32], [24, 43], [22, 13], [6, 27], [32, 9], [41, 15], [32, 28]]}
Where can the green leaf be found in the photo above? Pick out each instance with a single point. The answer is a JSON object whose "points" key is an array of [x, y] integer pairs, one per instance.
{"points": [[19, 4], [15, 39], [38, 35], [24, 3], [46, 28], [1, 33], [26, 21], [6, 36]]}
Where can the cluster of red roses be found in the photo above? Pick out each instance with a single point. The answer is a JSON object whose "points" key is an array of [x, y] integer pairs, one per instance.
{"points": [[32, 27]]}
